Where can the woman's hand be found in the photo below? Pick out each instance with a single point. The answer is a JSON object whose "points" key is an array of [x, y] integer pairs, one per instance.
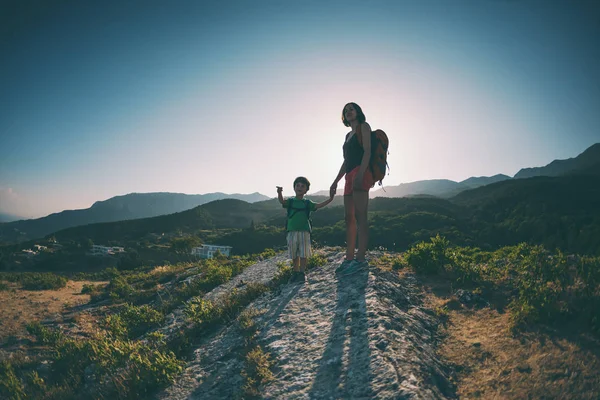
{"points": [[333, 189]]}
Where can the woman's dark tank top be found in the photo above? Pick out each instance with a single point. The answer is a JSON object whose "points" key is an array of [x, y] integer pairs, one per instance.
{"points": [[353, 153]]}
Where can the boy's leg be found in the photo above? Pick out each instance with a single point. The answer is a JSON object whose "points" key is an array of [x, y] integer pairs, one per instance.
{"points": [[297, 264], [293, 249], [305, 250], [302, 264]]}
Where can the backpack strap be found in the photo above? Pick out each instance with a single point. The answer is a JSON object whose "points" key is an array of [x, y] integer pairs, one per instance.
{"points": [[291, 211], [307, 210], [290, 201]]}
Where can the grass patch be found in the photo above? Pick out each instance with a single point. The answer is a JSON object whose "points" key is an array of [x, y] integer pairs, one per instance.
{"points": [[111, 363], [257, 372], [542, 287], [36, 280], [257, 363]]}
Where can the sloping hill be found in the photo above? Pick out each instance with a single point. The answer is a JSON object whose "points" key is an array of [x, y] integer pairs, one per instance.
{"points": [[4, 217], [561, 212], [433, 187], [477, 181], [585, 160]]}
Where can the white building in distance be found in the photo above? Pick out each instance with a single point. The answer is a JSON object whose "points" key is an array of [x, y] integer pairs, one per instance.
{"points": [[209, 250], [98, 250]]}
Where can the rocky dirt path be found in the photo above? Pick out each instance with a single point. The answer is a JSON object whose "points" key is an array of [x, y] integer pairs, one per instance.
{"points": [[362, 336]]}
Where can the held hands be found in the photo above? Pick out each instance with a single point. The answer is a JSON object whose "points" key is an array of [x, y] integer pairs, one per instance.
{"points": [[332, 190], [279, 189]]}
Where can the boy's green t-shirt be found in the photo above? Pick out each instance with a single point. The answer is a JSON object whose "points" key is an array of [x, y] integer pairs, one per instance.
{"points": [[299, 219]]}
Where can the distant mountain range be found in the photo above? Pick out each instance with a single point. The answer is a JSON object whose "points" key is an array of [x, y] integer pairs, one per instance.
{"points": [[444, 188], [119, 208], [4, 217], [145, 205], [587, 162], [559, 212], [589, 159]]}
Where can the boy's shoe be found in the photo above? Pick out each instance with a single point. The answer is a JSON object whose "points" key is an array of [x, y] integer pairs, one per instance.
{"points": [[301, 277], [343, 266], [356, 266], [292, 278], [297, 276]]}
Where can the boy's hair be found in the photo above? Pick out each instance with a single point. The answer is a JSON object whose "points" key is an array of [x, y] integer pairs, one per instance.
{"points": [[360, 116], [302, 180]]}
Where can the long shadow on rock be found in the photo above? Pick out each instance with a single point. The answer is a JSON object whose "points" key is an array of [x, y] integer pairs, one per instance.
{"points": [[224, 362], [349, 324]]}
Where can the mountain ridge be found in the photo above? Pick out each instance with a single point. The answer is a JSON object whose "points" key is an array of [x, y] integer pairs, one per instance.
{"points": [[144, 205], [119, 208]]}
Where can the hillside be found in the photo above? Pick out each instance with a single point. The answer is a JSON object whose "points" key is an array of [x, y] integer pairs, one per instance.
{"points": [[584, 160], [4, 217], [559, 212], [434, 187], [119, 208], [443, 188], [477, 181]]}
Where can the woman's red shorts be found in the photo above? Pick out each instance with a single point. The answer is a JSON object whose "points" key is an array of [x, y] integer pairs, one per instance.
{"points": [[367, 182]]}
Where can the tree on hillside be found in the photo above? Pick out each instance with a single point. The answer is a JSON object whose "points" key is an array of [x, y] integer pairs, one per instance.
{"points": [[185, 244]]}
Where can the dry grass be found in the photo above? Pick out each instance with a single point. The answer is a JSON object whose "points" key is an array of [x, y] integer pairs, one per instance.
{"points": [[490, 363], [19, 307]]}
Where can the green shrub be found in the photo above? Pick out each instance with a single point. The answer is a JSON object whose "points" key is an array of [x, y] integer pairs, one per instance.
{"points": [[316, 260], [139, 319], [246, 322], [89, 289], [134, 368], [200, 310], [428, 258], [257, 371], [119, 289], [217, 274], [42, 281], [11, 387], [132, 321], [540, 280], [43, 334]]}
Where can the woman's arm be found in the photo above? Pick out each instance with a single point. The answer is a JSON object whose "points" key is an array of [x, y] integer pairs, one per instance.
{"points": [[340, 175]]}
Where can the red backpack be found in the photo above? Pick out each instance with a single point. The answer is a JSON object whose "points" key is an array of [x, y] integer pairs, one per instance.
{"points": [[379, 151]]}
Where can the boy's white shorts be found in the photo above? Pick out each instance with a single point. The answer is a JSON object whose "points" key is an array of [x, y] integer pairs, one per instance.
{"points": [[299, 244]]}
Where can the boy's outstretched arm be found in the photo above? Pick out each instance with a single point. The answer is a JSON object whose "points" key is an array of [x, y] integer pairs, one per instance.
{"points": [[280, 195], [329, 200]]}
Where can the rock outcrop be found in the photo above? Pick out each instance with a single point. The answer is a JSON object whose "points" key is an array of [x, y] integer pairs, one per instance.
{"points": [[361, 336]]}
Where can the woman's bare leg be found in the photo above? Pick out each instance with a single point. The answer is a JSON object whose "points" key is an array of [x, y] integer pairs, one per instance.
{"points": [[350, 226], [361, 204]]}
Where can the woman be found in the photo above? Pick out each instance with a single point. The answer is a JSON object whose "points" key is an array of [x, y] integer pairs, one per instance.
{"points": [[359, 179]]}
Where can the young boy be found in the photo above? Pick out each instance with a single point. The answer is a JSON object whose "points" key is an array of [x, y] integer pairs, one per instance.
{"points": [[298, 225]]}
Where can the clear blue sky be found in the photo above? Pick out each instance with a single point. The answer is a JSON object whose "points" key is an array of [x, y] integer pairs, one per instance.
{"points": [[104, 98]]}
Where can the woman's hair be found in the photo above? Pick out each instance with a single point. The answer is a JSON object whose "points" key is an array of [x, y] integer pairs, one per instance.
{"points": [[302, 180], [360, 116]]}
